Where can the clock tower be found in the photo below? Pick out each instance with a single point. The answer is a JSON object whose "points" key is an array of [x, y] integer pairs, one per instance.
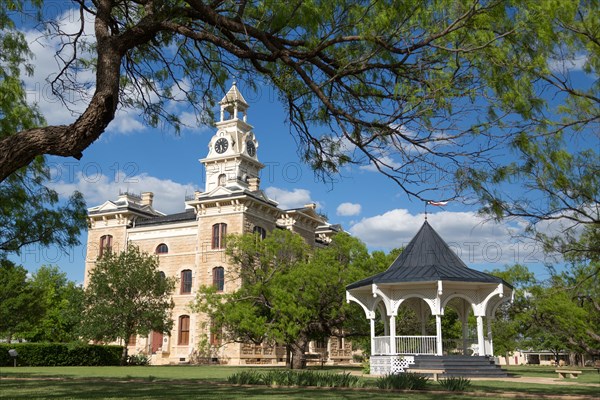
{"points": [[232, 161]]}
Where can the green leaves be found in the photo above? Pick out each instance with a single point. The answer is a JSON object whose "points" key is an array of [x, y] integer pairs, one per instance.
{"points": [[20, 303], [127, 295], [558, 315], [288, 294]]}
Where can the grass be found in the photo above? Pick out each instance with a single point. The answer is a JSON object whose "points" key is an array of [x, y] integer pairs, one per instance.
{"points": [[589, 375], [75, 389], [175, 372], [533, 388], [179, 382]]}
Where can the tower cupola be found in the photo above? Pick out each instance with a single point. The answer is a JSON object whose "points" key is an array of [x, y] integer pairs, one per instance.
{"points": [[233, 103]]}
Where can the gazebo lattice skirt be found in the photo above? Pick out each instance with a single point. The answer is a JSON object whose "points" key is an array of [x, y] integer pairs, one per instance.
{"points": [[390, 364]]}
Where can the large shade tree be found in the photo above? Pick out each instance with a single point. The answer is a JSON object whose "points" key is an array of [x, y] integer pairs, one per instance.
{"points": [[62, 304], [20, 303], [30, 211], [288, 294], [412, 87], [126, 296]]}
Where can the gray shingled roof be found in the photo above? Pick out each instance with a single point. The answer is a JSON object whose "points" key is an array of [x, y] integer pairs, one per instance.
{"points": [[188, 215], [427, 258]]}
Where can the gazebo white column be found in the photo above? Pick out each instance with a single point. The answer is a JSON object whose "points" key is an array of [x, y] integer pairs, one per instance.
{"points": [[464, 319], [392, 334], [438, 335], [480, 338], [490, 350], [372, 322], [465, 333]]}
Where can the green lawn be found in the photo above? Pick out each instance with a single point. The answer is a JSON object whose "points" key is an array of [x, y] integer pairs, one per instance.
{"points": [[179, 382], [11, 389], [589, 375], [202, 372]]}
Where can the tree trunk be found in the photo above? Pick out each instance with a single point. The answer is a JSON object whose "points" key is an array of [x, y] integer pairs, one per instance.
{"points": [[18, 150], [124, 353], [298, 356], [572, 358], [288, 356]]}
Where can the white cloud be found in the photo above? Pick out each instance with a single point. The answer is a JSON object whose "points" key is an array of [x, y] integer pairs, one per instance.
{"points": [[474, 239], [348, 209], [125, 123], [573, 64], [169, 196], [44, 46], [290, 199]]}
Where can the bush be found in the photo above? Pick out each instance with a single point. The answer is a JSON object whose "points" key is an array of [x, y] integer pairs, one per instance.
{"points": [[295, 378], [60, 354], [138, 359], [366, 367], [406, 381], [459, 384], [246, 378], [358, 358]]}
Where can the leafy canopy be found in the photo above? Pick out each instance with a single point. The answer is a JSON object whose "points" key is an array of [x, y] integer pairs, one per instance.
{"points": [[30, 211], [414, 88], [20, 306], [126, 295], [288, 293]]}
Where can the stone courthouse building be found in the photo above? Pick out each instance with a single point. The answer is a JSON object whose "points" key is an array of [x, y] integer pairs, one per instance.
{"points": [[190, 244]]}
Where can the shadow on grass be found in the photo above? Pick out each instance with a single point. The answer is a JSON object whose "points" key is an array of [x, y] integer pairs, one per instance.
{"points": [[533, 388], [40, 389]]}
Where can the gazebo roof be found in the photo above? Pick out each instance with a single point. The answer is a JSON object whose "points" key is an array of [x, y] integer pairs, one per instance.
{"points": [[427, 258]]}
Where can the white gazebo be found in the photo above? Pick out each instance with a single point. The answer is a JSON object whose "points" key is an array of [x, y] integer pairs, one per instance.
{"points": [[428, 277]]}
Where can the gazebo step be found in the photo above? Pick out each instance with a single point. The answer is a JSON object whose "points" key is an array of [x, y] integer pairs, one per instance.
{"points": [[454, 366]]}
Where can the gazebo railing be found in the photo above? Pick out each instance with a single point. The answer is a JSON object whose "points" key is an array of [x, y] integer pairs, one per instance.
{"points": [[405, 345], [415, 344], [427, 345], [381, 345]]}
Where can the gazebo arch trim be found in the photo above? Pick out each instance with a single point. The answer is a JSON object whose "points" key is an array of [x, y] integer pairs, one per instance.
{"points": [[369, 311]]}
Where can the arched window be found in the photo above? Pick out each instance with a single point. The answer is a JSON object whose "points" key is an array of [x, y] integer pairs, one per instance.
{"points": [[105, 245], [219, 278], [162, 275], [186, 281], [260, 231], [222, 180], [162, 249], [184, 330], [218, 235]]}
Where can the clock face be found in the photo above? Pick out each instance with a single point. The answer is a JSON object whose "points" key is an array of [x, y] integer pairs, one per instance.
{"points": [[250, 148], [221, 145]]}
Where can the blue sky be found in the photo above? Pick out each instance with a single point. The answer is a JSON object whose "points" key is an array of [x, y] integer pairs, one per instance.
{"points": [[131, 156]]}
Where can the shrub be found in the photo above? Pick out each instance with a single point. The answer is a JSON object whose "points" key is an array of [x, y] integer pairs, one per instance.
{"points": [[246, 378], [366, 367], [60, 354], [459, 384], [295, 378], [138, 359], [358, 358], [406, 381]]}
